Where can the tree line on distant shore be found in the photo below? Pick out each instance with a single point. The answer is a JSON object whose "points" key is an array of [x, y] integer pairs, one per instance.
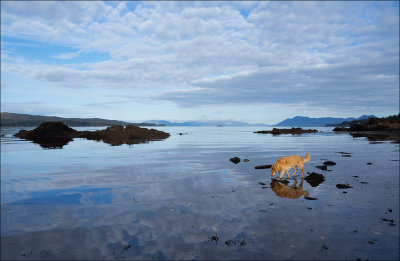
{"points": [[26, 120], [370, 121]]}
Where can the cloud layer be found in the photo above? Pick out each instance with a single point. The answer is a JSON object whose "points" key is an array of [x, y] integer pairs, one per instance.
{"points": [[333, 54]]}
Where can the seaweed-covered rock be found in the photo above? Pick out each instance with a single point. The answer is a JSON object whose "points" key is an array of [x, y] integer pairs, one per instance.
{"points": [[117, 135], [49, 134], [343, 186], [57, 134], [235, 160], [263, 167], [329, 163], [276, 131], [314, 179]]}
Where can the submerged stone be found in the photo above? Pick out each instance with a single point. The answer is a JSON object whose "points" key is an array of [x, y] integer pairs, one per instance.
{"points": [[235, 160], [343, 186]]}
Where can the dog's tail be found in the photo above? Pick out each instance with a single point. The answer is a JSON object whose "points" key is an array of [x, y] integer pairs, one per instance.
{"points": [[307, 158]]}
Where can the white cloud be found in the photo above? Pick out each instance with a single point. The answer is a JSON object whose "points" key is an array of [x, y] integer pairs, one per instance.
{"points": [[218, 52]]}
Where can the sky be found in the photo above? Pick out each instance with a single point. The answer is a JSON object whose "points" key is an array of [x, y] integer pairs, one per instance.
{"points": [[258, 62]]}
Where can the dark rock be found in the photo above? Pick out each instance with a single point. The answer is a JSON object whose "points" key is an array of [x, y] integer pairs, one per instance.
{"points": [[276, 131], [230, 242], [118, 135], [213, 238], [49, 134], [343, 186], [263, 167], [369, 163], [390, 221], [329, 163], [235, 160], [322, 167], [57, 134], [261, 183], [314, 179], [342, 152], [341, 129], [310, 198]]}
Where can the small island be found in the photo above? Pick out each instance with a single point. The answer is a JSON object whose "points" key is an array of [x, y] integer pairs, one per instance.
{"points": [[387, 128], [57, 134], [276, 131]]}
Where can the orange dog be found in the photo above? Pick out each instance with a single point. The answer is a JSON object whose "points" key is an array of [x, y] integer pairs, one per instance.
{"points": [[284, 164]]}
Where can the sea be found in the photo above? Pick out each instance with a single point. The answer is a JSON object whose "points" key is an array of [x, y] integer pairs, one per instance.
{"points": [[183, 198]]}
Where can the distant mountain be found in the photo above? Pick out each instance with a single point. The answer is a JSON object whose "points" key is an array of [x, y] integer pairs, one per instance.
{"points": [[301, 121], [17, 119], [206, 123]]}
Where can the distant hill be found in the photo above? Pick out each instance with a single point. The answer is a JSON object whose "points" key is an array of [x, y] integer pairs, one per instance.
{"points": [[367, 121], [206, 123], [301, 121], [26, 120]]}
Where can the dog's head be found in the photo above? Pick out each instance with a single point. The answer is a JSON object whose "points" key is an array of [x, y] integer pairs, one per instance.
{"points": [[274, 170]]}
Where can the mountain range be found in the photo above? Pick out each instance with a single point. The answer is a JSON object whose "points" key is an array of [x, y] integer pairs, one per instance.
{"points": [[301, 121], [206, 123], [17, 119]]}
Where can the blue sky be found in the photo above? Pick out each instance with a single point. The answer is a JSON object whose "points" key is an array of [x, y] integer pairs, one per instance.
{"points": [[259, 62]]}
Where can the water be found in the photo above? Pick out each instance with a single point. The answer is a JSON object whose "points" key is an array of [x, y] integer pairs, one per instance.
{"points": [[181, 198]]}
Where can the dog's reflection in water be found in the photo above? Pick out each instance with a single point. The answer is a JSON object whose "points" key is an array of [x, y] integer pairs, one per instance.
{"points": [[285, 191]]}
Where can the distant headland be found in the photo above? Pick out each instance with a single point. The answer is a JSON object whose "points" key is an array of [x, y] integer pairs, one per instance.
{"points": [[27, 120]]}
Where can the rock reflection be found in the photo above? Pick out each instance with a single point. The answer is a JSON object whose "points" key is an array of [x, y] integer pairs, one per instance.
{"points": [[283, 190]]}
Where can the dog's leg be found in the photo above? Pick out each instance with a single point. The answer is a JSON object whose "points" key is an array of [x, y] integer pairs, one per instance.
{"points": [[282, 172], [295, 170], [302, 172]]}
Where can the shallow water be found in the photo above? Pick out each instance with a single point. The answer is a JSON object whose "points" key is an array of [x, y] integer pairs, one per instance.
{"points": [[181, 198]]}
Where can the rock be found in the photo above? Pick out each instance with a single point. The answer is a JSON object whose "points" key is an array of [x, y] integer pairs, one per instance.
{"points": [[263, 167], [343, 186], [49, 134], [57, 134], [118, 135], [341, 129], [314, 179], [276, 131], [261, 183], [246, 160], [322, 167], [235, 160], [329, 163], [310, 198], [369, 163]]}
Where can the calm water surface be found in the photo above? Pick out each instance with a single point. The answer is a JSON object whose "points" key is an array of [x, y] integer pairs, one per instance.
{"points": [[181, 198]]}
